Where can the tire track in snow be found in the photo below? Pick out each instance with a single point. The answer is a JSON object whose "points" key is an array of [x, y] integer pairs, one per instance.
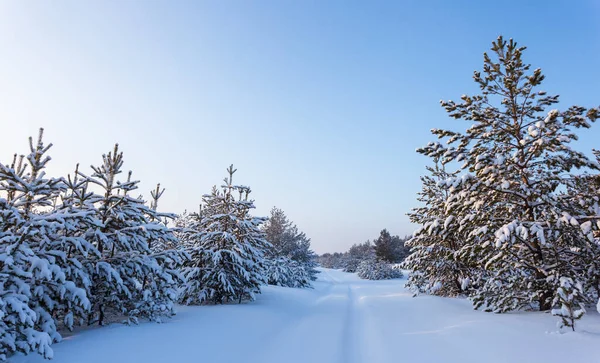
{"points": [[318, 325], [374, 339], [350, 341]]}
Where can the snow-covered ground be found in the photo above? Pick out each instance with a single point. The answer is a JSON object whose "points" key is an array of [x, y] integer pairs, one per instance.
{"points": [[343, 319]]}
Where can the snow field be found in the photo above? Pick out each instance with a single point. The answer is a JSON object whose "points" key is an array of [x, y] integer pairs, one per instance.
{"points": [[343, 319]]}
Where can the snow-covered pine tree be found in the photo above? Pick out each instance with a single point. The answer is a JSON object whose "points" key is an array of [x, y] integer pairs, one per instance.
{"points": [[278, 271], [227, 263], [162, 244], [384, 248], [128, 279], [40, 281], [568, 298], [332, 260], [276, 228], [358, 253], [582, 201], [186, 229], [189, 228], [373, 269], [291, 244], [71, 248], [282, 271], [161, 286], [515, 162], [19, 328], [304, 256], [435, 261]]}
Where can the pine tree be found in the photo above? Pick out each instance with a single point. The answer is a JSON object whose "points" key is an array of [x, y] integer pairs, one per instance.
{"points": [[435, 262], [168, 241], [290, 246], [582, 201], [277, 232], [39, 279], [227, 263], [304, 256], [357, 254], [334, 260], [186, 229], [569, 298], [507, 200], [384, 248], [128, 279], [377, 270], [19, 328], [189, 229], [282, 271]]}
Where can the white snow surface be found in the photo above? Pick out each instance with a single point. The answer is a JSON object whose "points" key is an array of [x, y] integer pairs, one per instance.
{"points": [[342, 320]]}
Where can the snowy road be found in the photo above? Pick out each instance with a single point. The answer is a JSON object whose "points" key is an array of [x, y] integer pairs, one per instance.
{"points": [[343, 319]]}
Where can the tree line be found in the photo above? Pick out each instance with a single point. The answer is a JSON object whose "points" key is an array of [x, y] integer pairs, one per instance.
{"points": [[370, 260], [83, 250]]}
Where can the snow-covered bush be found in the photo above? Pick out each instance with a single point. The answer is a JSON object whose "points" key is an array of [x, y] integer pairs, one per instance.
{"points": [[336, 260], [569, 298], [352, 264], [377, 270], [286, 272], [358, 253]]}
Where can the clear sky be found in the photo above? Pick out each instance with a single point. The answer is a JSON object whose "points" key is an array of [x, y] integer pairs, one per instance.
{"points": [[319, 104]]}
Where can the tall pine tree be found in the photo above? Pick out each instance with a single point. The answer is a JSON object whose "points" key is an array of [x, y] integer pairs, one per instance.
{"points": [[507, 201]]}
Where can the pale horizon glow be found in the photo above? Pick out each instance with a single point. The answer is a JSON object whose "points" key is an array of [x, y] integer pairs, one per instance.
{"points": [[319, 105]]}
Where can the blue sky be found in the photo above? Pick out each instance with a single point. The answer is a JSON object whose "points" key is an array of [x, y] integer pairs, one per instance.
{"points": [[319, 104]]}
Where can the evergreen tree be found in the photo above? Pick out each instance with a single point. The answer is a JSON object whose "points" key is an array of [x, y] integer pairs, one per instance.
{"points": [[290, 246], [186, 229], [401, 250], [128, 279], [162, 244], [507, 202], [227, 261], [277, 232], [435, 262], [384, 247], [334, 260], [357, 254], [39, 279], [282, 271], [582, 201], [569, 298], [189, 229], [377, 270]]}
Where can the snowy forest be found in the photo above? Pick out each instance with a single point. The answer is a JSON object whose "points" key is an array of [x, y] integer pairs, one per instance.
{"points": [[84, 249], [508, 217]]}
